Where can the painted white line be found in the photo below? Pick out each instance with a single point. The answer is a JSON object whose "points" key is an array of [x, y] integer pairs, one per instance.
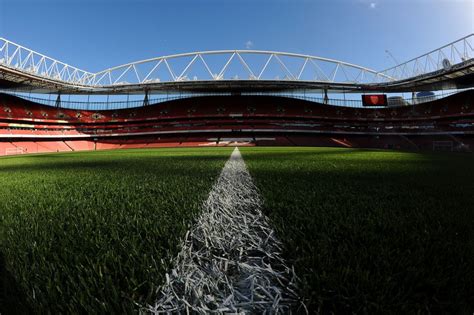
{"points": [[230, 260]]}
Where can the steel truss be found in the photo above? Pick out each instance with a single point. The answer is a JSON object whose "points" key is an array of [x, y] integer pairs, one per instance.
{"points": [[443, 58], [322, 69], [287, 67], [309, 68], [24, 59]]}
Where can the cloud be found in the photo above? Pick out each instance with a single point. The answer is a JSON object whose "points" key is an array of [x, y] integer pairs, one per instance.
{"points": [[370, 4], [248, 44]]}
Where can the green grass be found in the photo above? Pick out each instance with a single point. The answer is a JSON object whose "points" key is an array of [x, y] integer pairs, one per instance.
{"points": [[373, 231], [94, 232], [367, 231]]}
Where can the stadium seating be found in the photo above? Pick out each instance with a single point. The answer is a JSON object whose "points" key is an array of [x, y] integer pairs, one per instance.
{"points": [[267, 120], [6, 148], [80, 145]]}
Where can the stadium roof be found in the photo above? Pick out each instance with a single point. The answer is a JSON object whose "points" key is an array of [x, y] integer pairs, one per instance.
{"points": [[448, 67]]}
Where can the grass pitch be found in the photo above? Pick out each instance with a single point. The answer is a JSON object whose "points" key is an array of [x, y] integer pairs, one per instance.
{"points": [[373, 231], [94, 232], [367, 231]]}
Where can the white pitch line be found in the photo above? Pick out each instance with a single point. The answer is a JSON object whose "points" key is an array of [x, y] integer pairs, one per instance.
{"points": [[230, 261]]}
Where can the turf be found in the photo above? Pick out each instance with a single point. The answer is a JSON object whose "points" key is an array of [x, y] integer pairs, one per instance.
{"points": [[367, 231], [94, 232], [373, 231]]}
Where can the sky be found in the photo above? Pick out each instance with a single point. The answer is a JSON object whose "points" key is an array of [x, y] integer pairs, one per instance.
{"points": [[98, 34]]}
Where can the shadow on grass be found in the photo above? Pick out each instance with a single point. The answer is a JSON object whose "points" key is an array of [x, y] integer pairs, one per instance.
{"points": [[376, 236], [45, 162], [12, 297]]}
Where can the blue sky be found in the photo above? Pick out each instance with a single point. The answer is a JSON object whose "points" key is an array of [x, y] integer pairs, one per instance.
{"points": [[98, 34]]}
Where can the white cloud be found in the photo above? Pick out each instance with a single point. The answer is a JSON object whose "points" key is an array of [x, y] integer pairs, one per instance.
{"points": [[372, 5], [248, 44]]}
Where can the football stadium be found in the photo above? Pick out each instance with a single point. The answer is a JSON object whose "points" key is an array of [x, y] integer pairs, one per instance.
{"points": [[238, 181]]}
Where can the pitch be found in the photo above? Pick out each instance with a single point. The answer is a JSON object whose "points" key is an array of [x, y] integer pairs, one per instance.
{"points": [[365, 230]]}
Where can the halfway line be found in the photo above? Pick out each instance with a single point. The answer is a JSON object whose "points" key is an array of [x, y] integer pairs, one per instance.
{"points": [[230, 261]]}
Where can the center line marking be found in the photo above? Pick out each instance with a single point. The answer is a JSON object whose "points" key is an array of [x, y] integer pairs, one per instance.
{"points": [[230, 261]]}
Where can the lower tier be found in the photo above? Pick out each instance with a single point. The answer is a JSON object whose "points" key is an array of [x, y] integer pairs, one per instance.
{"points": [[397, 142]]}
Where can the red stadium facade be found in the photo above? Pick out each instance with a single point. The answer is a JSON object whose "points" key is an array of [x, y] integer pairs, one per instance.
{"points": [[443, 124]]}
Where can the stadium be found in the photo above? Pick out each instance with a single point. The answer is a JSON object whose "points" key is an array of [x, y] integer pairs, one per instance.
{"points": [[218, 108], [237, 182]]}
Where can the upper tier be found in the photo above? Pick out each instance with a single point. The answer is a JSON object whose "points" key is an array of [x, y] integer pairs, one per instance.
{"points": [[15, 109]]}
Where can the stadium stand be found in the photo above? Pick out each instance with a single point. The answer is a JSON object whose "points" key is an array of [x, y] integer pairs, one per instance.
{"points": [[262, 120]]}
